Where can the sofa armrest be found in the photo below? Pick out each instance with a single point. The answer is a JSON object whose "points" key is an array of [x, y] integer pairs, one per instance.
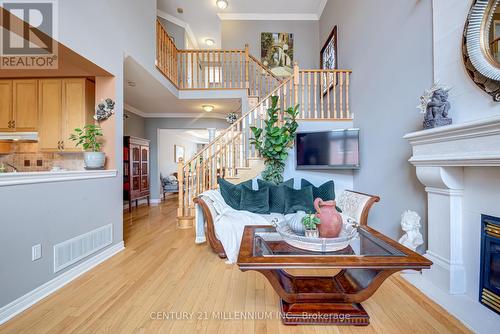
{"points": [[209, 218], [357, 205]]}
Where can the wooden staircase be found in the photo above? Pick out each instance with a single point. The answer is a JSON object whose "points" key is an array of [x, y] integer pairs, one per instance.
{"points": [[323, 95]]}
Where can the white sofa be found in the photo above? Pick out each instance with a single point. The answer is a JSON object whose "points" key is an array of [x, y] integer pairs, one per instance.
{"points": [[353, 204]]}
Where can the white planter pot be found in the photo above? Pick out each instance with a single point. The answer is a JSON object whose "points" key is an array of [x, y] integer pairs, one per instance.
{"points": [[94, 160]]}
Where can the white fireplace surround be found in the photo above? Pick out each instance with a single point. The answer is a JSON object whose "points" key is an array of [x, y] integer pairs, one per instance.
{"points": [[440, 156]]}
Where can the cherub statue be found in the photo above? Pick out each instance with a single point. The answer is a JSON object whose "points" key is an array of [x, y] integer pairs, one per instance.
{"points": [[104, 110], [410, 223], [437, 110]]}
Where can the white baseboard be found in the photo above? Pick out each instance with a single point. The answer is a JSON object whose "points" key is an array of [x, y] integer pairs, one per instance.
{"points": [[155, 201], [17, 306]]}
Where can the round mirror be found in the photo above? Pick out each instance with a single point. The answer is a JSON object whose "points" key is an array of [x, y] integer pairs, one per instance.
{"points": [[481, 46], [493, 35]]}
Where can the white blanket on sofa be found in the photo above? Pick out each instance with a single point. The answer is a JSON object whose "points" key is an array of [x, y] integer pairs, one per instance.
{"points": [[229, 225]]}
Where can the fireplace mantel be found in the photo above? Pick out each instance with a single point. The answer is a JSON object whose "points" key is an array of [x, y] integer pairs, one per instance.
{"points": [[475, 143], [440, 156]]}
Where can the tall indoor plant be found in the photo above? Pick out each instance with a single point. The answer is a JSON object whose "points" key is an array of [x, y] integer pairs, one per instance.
{"points": [[274, 141], [88, 138]]}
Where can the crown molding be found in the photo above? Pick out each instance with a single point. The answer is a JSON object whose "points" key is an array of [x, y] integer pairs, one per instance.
{"points": [[268, 16], [133, 110], [180, 23], [321, 8], [186, 115], [138, 112]]}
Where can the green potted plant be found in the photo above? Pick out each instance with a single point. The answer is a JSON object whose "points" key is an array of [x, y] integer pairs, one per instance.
{"points": [[310, 222], [88, 138], [274, 141]]}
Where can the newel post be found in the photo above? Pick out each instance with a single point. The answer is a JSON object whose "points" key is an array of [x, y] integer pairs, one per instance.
{"points": [[296, 82], [180, 179], [247, 65]]}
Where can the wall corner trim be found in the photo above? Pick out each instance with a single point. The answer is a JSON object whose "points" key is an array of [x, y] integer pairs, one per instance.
{"points": [[24, 302]]}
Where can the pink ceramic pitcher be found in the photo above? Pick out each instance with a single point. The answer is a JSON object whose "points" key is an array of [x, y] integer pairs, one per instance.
{"points": [[331, 220]]}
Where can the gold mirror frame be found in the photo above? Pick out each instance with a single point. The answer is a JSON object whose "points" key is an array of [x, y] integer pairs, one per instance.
{"points": [[481, 66]]}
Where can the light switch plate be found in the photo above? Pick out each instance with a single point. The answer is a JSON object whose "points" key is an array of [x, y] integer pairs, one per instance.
{"points": [[36, 252]]}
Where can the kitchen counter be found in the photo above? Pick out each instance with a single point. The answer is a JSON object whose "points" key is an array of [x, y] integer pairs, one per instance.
{"points": [[12, 179]]}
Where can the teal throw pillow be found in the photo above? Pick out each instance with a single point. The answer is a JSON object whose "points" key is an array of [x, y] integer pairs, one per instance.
{"points": [[276, 194], [256, 201], [299, 200], [232, 192]]}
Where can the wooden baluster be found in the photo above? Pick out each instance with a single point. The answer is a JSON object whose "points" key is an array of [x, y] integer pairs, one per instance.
{"points": [[348, 112], [341, 94], [316, 111], [224, 72], [198, 174], [308, 91], [329, 79], [321, 95], [335, 115], [180, 173], [191, 55]]}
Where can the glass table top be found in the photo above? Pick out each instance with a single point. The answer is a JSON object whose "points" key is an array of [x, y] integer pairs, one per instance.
{"points": [[269, 243]]}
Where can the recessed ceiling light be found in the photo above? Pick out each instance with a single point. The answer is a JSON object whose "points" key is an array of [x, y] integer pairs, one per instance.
{"points": [[209, 42], [180, 10], [207, 108], [222, 4]]}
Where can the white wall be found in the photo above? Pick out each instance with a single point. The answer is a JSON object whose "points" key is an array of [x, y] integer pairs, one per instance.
{"points": [[235, 34], [468, 102], [388, 45], [166, 141], [481, 195], [101, 31]]}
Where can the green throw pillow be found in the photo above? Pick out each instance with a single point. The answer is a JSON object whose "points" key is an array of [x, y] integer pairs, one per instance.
{"points": [[299, 200], [326, 191], [232, 192], [256, 201], [276, 194]]}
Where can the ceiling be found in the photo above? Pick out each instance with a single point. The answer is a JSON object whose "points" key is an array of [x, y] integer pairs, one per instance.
{"points": [[150, 98], [202, 18]]}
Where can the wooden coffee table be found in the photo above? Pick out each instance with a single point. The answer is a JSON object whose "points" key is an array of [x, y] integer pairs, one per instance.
{"points": [[335, 299]]}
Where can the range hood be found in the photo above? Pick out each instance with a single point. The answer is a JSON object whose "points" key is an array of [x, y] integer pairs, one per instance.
{"points": [[26, 137]]}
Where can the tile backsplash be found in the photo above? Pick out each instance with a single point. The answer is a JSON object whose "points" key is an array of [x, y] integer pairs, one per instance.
{"points": [[26, 159]]}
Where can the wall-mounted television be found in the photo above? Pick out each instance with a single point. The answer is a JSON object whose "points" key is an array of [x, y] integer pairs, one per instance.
{"points": [[336, 149]]}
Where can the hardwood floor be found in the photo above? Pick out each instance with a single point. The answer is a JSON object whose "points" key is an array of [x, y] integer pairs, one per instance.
{"points": [[163, 271]]}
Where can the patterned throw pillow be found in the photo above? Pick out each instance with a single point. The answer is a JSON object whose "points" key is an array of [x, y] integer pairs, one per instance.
{"points": [[256, 201], [232, 192], [276, 194], [299, 200]]}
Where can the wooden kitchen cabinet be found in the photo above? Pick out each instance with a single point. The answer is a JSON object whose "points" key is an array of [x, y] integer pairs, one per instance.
{"points": [[25, 105], [65, 104], [19, 105], [5, 105]]}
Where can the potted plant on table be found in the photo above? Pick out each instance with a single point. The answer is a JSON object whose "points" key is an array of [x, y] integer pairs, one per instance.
{"points": [[274, 141], [88, 139], [310, 222]]}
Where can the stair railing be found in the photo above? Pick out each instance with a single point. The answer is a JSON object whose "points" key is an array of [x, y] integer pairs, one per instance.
{"points": [[228, 152], [213, 69]]}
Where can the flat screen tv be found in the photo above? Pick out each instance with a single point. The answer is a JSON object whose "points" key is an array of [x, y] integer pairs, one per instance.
{"points": [[336, 149]]}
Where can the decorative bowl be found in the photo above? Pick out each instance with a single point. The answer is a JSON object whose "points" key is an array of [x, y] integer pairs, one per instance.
{"points": [[348, 233]]}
